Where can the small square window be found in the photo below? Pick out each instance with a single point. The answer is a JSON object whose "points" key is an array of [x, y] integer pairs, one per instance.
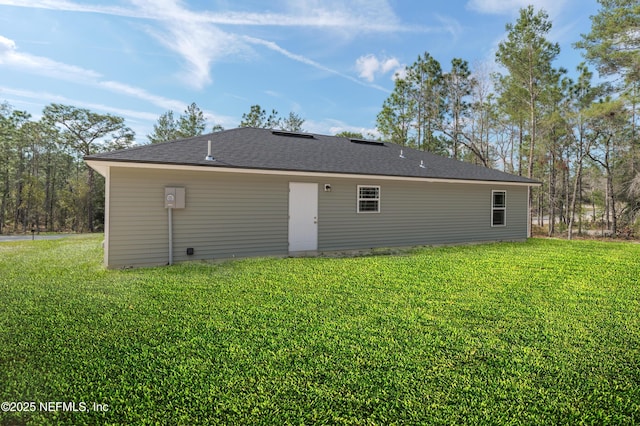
{"points": [[368, 199]]}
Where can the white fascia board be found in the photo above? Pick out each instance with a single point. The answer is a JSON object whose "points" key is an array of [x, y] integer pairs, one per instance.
{"points": [[102, 167]]}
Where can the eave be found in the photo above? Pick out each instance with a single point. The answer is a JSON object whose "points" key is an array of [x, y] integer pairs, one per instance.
{"points": [[102, 167]]}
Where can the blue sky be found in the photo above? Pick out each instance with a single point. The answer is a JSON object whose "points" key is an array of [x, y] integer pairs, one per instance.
{"points": [[330, 62]]}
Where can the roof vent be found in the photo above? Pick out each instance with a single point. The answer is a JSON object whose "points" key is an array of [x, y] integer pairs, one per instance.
{"points": [[209, 157], [422, 166], [366, 142], [401, 154], [292, 134]]}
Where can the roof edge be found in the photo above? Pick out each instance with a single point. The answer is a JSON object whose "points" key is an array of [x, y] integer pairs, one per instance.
{"points": [[101, 165]]}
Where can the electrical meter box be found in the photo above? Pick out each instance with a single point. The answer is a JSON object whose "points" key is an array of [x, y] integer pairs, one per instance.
{"points": [[174, 197]]}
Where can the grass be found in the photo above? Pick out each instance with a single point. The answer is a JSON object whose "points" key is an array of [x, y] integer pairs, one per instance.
{"points": [[543, 332]]}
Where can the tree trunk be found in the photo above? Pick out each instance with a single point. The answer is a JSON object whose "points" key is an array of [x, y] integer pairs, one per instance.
{"points": [[520, 141], [17, 214], [612, 204], [581, 203], [90, 206], [574, 197], [552, 193], [5, 195], [532, 111]]}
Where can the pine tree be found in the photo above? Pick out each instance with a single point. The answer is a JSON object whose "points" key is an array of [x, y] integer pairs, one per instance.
{"points": [[527, 55], [257, 117], [166, 129], [192, 122]]}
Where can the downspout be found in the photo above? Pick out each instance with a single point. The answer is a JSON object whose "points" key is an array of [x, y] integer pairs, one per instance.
{"points": [[170, 209], [107, 215], [529, 216]]}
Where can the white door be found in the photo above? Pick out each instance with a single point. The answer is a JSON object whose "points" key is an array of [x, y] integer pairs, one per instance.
{"points": [[303, 216]]}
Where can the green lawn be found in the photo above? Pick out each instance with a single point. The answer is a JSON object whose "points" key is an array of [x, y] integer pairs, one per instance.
{"points": [[543, 332]]}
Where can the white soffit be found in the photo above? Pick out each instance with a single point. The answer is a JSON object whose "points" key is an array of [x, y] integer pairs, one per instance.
{"points": [[102, 167]]}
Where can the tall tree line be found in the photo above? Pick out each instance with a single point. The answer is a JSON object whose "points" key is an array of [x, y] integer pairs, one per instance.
{"points": [[44, 183], [577, 137]]}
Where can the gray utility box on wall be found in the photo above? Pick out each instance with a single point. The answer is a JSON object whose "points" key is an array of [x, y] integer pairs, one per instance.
{"points": [[174, 197]]}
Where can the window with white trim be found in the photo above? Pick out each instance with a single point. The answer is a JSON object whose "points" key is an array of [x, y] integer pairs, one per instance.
{"points": [[368, 199], [498, 208]]}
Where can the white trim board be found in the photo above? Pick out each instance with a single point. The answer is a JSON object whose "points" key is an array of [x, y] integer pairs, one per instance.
{"points": [[102, 167]]}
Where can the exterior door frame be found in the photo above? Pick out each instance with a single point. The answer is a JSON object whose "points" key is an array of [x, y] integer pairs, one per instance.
{"points": [[303, 217]]}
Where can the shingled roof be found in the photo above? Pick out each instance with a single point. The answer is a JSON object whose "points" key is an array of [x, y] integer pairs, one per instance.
{"points": [[264, 149]]}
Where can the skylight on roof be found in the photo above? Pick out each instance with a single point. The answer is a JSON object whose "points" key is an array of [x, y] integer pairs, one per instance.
{"points": [[292, 134], [366, 142]]}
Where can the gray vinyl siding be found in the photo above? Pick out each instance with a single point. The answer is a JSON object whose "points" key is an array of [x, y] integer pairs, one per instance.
{"points": [[241, 215], [416, 213], [226, 215]]}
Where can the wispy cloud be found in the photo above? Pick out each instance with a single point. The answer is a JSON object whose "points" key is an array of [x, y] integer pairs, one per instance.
{"points": [[299, 58], [354, 16], [138, 120], [187, 34], [450, 25], [10, 56], [357, 15], [69, 6], [47, 97], [199, 40], [136, 92], [39, 65], [510, 7]]}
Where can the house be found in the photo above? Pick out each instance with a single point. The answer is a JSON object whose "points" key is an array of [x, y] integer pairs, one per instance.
{"points": [[254, 192]]}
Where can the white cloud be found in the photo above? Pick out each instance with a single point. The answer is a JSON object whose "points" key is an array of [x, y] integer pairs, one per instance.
{"points": [[299, 58], [46, 97], [355, 15], [391, 64], [40, 65], [136, 92], [137, 120], [6, 45], [509, 7], [196, 37], [67, 6], [12, 57], [450, 25], [369, 66], [190, 35], [197, 49]]}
